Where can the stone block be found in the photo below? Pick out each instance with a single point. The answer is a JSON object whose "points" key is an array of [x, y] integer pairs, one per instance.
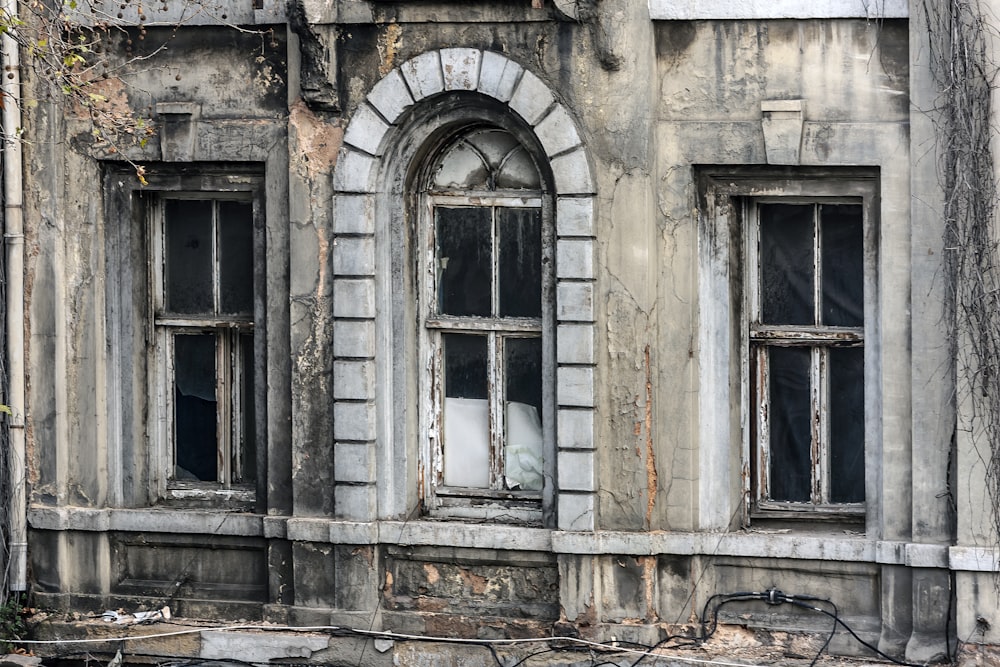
{"points": [[354, 339], [576, 470], [460, 68], [572, 173], [353, 214], [575, 344], [366, 130], [576, 511], [575, 386], [354, 297], [423, 75], [531, 98], [354, 172], [354, 256], [498, 76], [353, 380], [354, 462], [390, 96], [575, 429], [574, 259], [557, 131], [354, 502], [575, 302], [575, 216], [353, 421]]}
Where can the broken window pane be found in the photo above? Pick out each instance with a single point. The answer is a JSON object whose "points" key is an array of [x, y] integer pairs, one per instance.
{"points": [[466, 411], [195, 407], [189, 257], [236, 258], [790, 419], [523, 420], [786, 263], [843, 264], [847, 424], [464, 258], [520, 262]]}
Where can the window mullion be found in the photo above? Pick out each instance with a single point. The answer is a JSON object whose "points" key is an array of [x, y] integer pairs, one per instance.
{"points": [[763, 439], [223, 394], [496, 389], [818, 387]]}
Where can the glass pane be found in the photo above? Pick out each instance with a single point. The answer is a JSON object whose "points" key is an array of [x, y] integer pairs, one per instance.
{"points": [[245, 452], [462, 168], [790, 416], [236, 258], [520, 262], [786, 264], [188, 261], [847, 425], [466, 411], [464, 252], [195, 409], [842, 264], [523, 417], [518, 172]]}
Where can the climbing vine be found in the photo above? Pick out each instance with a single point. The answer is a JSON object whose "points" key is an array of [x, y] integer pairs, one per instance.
{"points": [[965, 73]]}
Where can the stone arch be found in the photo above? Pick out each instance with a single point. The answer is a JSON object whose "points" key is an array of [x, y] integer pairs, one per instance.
{"points": [[361, 330]]}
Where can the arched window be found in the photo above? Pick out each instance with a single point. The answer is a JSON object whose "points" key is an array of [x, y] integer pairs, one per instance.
{"points": [[484, 282]]}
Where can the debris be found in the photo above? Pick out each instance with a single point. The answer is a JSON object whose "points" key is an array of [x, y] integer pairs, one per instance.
{"points": [[119, 617]]}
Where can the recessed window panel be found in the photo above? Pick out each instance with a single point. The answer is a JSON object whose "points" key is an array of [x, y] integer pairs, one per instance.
{"points": [[520, 262], [244, 462], [195, 407], [464, 260], [787, 263], [236, 258], [189, 257], [847, 425], [790, 422], [843, 264]]}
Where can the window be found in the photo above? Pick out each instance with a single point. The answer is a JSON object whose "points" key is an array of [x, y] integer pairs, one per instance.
{"points": [[806, 317], [482, 321], [789, 344], [203, 315]]}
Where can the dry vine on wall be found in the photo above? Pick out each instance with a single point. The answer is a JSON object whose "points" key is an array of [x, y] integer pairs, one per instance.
{"points": [[961, 48]]}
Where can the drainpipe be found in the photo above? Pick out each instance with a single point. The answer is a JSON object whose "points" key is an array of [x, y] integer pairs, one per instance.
{"points": [[13, 234]]}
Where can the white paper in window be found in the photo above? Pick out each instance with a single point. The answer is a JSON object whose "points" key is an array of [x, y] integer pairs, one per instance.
{"points": [[466, 443]]}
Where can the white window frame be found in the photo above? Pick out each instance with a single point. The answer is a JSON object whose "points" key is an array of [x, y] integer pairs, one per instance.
{"points": [[227, 331], [819, 339], [495, 502]]}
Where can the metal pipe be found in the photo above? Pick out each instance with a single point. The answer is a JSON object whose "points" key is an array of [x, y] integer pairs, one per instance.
{"points": [[13, 234]]}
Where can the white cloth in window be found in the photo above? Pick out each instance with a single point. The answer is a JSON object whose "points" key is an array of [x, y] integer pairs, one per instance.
{"points": [[467, 445]]}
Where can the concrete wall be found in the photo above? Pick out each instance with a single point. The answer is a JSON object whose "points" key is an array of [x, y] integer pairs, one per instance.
{"points": [[645, 516]]}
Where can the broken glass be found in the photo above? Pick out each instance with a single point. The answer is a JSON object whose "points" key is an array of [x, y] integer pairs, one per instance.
{"points": [[523, 423], [195, 408]]}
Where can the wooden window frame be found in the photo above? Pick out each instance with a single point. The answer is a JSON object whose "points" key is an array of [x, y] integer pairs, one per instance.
{"points": [[496, 501], [819, 339], [227, 330]]}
